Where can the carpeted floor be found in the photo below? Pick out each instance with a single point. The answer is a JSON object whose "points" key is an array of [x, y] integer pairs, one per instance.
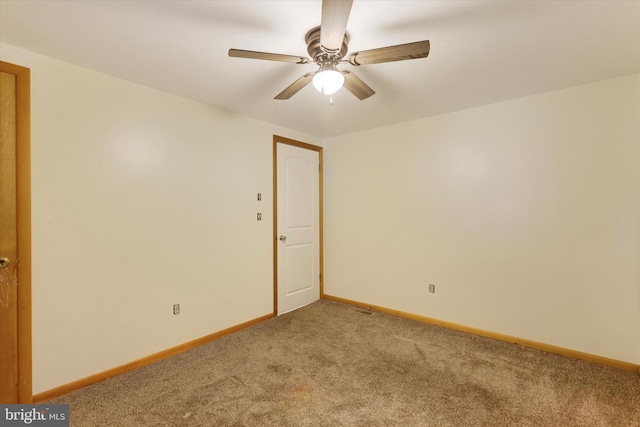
{"points": [[326, 365]]}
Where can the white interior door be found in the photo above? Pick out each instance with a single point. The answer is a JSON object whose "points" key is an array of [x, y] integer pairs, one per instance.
{"points": [[298, 227]]}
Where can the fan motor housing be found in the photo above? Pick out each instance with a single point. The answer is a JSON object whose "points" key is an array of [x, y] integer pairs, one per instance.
{"points": [[315, 49]]}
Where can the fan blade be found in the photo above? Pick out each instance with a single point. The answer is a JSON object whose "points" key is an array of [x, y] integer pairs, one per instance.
{"points": [[238, 53], [295, 86], [356, 86], [391, 53], [335, 14]]}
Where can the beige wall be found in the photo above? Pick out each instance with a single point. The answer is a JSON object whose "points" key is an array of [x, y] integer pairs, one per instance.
{"points": [[524, 214], [140, 200]]}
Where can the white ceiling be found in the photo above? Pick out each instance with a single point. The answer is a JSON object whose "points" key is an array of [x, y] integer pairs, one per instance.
{"points": [[481, 51]]}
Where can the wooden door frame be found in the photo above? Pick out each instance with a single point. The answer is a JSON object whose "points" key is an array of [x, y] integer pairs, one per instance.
{"points": [[282, 140], [23, 206]]}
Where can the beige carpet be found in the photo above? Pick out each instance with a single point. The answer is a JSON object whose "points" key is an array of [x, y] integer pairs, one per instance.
{"points": [[326, 365]]}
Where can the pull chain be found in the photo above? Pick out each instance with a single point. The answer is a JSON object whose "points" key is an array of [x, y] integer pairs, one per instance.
{"points": [[330, 99]]}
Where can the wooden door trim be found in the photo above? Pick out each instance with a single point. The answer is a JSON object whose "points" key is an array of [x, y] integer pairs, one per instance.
{"points": [[23, 206], [282, 140]]}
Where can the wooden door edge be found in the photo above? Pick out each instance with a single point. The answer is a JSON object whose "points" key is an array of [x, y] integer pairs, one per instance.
{"points": [[23, 205]]}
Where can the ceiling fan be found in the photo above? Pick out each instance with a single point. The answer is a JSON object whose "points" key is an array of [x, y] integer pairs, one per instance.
{"points": [[328, 45]]}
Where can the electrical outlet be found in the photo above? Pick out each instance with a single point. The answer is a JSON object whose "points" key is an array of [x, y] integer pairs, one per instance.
{"points": [[432, 288], [176, 308]]}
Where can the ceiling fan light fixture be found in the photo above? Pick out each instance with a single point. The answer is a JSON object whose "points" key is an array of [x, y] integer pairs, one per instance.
{"points": [[328, 81]]}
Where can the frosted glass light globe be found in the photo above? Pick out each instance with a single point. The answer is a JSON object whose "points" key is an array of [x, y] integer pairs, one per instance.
{"points": [[328, 81]]}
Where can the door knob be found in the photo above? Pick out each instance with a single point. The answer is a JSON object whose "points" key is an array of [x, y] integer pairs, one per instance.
{"points": [[283, 238], [4, 262]]}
